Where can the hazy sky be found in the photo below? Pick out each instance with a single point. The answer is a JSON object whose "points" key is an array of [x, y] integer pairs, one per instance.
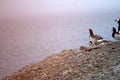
{"points": [[40, 7]]}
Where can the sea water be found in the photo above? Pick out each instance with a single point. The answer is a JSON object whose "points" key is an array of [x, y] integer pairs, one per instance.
{"points": [[27, 40]]}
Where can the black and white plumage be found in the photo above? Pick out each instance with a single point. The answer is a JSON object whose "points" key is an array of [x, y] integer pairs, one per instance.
{"points": [[115, 34], [118, 21], [94, 38]]}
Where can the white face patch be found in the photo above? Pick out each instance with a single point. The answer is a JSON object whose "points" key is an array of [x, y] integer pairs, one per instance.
{"points": [[118, 19]]}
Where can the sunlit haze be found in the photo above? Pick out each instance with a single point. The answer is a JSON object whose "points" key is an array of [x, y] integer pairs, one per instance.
{"points": [[43, 7]]}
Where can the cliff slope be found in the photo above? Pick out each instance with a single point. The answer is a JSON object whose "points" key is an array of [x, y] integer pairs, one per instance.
{"points": [[99, 63]]}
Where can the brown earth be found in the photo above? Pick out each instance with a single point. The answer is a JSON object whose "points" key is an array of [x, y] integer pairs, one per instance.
{"points": [[98, 63]]}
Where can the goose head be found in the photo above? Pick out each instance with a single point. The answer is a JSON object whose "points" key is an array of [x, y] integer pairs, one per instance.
{"points": [[117, 20], [91, 32]]}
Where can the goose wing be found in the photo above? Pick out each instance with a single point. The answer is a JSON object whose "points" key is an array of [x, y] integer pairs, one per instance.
{"points": [[117, 36], [98, 37]]}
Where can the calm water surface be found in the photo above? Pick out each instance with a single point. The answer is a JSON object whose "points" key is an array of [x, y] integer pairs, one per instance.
{"points": [[28, 40]]}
